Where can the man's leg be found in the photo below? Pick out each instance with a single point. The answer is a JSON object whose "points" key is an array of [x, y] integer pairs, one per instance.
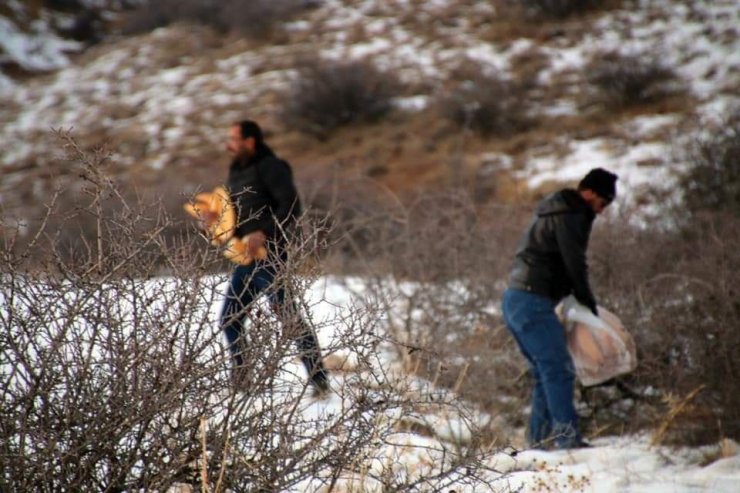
{"points": [[238, 296], [308, 344], [543, 337], [516, 316], [549, 350], [305, 337], [540, 421], [558, 375]]}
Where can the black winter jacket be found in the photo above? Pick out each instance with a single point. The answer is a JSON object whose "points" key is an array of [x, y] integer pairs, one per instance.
{"points": [[264, 195], [551, 256]]}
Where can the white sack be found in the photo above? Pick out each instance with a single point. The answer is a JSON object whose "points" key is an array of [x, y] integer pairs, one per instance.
{"points": [[601, 347]]}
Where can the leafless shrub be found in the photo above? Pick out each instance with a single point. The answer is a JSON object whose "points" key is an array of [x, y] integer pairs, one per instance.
{"points": [[152, 15], [329, 94], [712, 182], [558, 8], [259, 19], [256, 18], [114, 379], [676, 292], [632, 79], [63, 4], [484, 103], [441, 260]]}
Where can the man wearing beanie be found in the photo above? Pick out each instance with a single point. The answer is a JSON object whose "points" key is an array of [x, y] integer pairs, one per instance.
{"points": [[550, 263]]}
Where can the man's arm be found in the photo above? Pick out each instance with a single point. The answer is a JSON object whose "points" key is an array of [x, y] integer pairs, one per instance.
{"points": [[571, 231]]}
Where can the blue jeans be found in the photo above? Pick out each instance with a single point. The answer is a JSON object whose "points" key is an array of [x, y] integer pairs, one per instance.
{"points": [[540, 336], [250, 281]]}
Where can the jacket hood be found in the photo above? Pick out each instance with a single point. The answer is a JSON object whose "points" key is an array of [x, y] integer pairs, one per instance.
{"points": [[563, 202]]}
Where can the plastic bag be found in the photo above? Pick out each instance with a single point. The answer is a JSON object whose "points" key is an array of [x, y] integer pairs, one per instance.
{"points": [[601, 347]]}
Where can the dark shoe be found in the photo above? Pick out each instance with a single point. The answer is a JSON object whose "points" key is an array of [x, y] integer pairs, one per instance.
{"points": [[320, 385], [319, 377], [573, 445], [320, 393]]}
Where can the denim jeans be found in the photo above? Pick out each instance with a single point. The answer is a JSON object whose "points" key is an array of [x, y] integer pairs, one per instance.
{"points": [[250, 281], [540, 336]]}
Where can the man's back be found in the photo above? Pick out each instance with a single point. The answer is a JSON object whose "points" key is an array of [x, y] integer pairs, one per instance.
{"points": [[551, 256]]}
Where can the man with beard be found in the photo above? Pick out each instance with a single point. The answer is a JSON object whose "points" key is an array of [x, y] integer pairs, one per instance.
{"points": [[267, 206]]}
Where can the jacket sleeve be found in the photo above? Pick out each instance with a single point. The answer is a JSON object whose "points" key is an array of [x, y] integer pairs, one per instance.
{"points": [[572, 232], [286, 205]]}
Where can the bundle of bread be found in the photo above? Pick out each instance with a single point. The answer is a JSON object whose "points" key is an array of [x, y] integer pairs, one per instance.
{"points": [[217, 216]]}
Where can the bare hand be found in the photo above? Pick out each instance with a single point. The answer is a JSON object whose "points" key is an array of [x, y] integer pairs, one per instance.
{"points": [[255, 242]]}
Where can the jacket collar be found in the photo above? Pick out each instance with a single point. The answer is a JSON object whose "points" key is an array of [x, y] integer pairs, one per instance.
{"points": [[263, 151], [566, 201]]}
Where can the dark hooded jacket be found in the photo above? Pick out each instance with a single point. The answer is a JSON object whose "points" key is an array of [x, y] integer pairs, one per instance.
{"points": [[263, 192], [551, 256]]}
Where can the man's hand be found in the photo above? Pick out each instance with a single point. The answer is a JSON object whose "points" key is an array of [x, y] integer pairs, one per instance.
{"points": [[594, 310], [256, 243], [247, 249]]}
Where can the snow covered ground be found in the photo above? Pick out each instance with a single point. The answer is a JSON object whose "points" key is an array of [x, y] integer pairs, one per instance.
{"points": [[615, 464]]}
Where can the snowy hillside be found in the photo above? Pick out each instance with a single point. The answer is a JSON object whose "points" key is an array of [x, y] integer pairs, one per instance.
{"points": [[38, 36], [161, 100]]}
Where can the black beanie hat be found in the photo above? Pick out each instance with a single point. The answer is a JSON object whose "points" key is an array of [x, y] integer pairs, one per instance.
{"points": [[601, 181]]}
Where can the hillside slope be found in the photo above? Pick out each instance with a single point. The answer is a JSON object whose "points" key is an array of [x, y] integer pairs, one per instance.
{"points": [[160, 101]]}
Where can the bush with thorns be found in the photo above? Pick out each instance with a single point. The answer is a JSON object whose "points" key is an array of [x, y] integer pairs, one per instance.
{"points": [[256, 19], [115, 378], [622, 80], [712, 182], [558, 9], [485, 103], [327, 95]]}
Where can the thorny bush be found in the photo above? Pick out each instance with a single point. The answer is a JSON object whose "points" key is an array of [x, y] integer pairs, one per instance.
{"points": [[558, 8], [712, 182], [116, 379], [440, 259], [630, 79], [485, 103], [257, 19], [327, 94], [676, 291]]}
